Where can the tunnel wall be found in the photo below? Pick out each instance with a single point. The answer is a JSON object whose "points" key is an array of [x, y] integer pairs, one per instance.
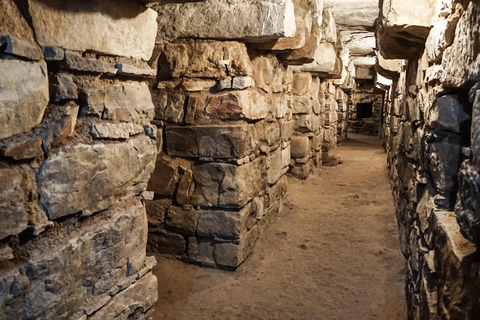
{"points": [[123, 127], [235, 112], [431, 115]]}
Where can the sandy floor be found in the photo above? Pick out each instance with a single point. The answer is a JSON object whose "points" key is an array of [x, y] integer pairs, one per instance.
{"points": [[331, 254]]}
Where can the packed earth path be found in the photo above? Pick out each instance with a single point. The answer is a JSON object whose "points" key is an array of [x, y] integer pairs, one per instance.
{"points": [[331, 254]]}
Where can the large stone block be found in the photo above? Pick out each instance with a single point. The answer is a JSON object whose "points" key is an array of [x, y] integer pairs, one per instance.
{"points": [[89, 178], [461, 60], [14, 24], [354, 14], [82, 269], [12, 210], [126, 102], [23, 96], [324, 63], [102, 26], [447, 114], [230, 141], [224, 224], [235, 105], [206, 59], [227, 185], [255, 21]]}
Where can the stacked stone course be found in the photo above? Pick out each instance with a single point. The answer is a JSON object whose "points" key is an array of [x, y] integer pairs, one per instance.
{"points": [[431, 140]]}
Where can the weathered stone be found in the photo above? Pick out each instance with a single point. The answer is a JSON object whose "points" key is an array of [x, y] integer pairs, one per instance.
{"points": [[307, 123], [280, 105], [440, 37], [157, 210], [359, 14], [302, 83], [467, 208], [182, 221], [300, 146], [66, 88], [232, 141], [185, 187], [161, 241], [25, 149], [115, 130], [447, 114], [63, 128], [127, 102], [92, 178], [324, 63], [127, 30], [301, 104], [444, 161], [207, 59], [252, 21], [223, 224], [52, 53], [127, 302], [359, 42], [24, 96], [475, 136], [165, 176], [13, 22], [226, 185], [237, 105], [236, 83], [204, 252], [12, 210], [197, 85], [76, 62], [21, 48], [133, 71], [230, 254], [6, 253], [287, 130], [171, 107], [102, 256], [461, 60], [277, 164]]}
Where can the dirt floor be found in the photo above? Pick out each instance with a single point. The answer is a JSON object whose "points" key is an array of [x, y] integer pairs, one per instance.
{"points": [[331, 254]]}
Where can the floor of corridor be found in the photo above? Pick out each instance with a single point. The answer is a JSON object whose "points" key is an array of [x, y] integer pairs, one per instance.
{"points": [[331, 254]]}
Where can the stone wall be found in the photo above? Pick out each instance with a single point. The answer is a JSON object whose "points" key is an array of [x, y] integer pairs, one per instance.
{"points": [[431, 140], [76, 151]]}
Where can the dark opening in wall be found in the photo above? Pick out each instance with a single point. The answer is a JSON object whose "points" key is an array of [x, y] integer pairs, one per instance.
{"points": [[364, 110]]}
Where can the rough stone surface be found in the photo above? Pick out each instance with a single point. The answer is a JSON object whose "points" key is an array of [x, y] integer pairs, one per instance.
{"points": [[90, 178], [223, 224], [101, 26], [237, 105], [12, 210], [239, 19], [24, 96], [232, 141], [227, 185]]}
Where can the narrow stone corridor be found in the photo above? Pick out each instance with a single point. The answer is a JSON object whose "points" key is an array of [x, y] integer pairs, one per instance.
{"points": [[332, 253]]}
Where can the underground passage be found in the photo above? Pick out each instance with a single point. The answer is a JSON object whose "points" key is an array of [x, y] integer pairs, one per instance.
{"points": [[239, 159]]}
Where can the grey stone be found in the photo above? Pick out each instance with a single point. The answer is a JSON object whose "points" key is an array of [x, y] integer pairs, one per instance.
{"points": [[126, 102], [165, 176], [12, 210], [222, 223], [157, 210], [127, 30], [62, 128], [229, 141], [66, 88], [6, 253], [230, 254], [102, 256], [133, 71], [161, 241], [115, 130], [185, 187], [248, 20], [92, 177], [226, 185], [20, 48], [475, 136], [76, 62], [447, 114], [24, 96], [52, 53], [28, 148], [171, 107]]}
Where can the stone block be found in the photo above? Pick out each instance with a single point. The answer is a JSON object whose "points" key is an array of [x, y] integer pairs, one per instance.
{"points": [[66, 88], [287, 130], [229, 254], [127, 30], [226, 185], [224, 224], [206, 59], [302, 84], [248, 20], [52, 53], [182, 221], [161, 241], [157, 210], [277, 162], [133, 71], [12, 209], [75, 61], [440, 37], [24, 96], [301, 104], [235, 105], [165, 176], [114, 130], [185, 187], [14, 24], [22, 149], [92, 178], [127, 102], [170, 106], [324, 62], [447, 114], [300, 146], [21, 48], [83, 269], [280, 105], [226, 142], [461, 60]]}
